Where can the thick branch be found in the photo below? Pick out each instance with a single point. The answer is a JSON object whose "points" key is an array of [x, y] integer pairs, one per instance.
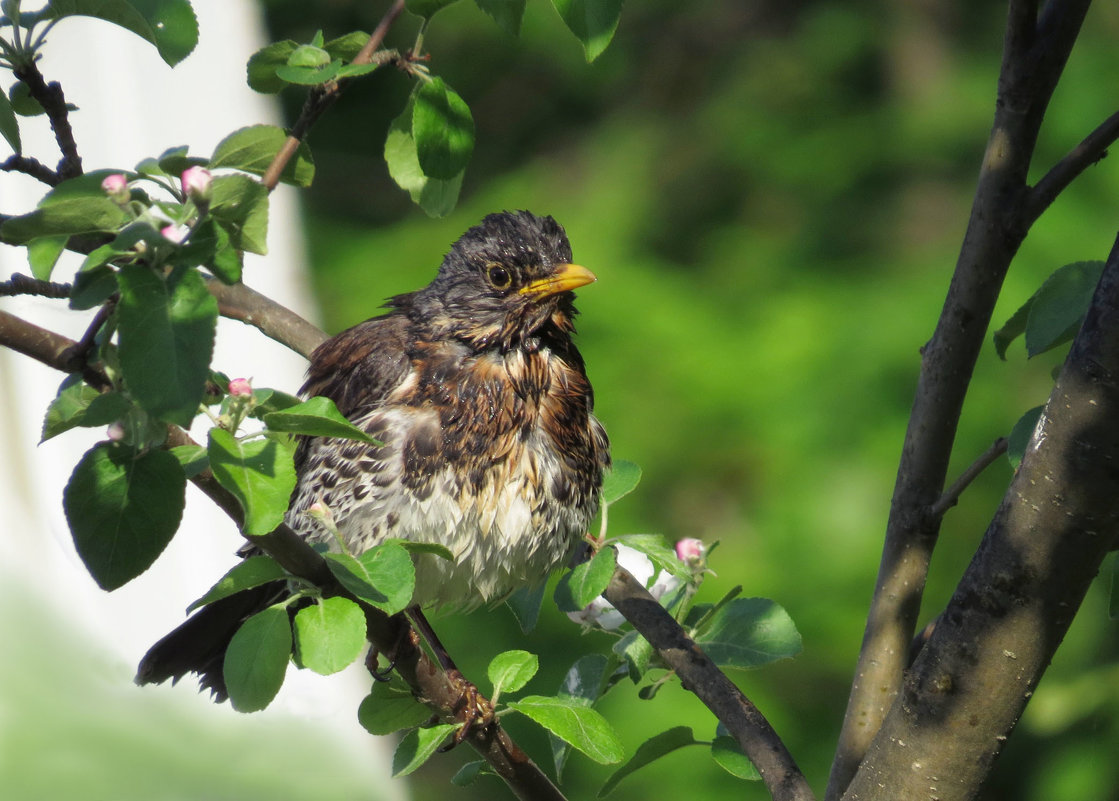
{"points": [[1032, 64], [239, 302], [443, 693], [33, 167], [990, 647], [699, 674]]}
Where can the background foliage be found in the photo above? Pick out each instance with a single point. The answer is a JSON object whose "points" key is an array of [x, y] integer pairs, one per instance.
{"points": [[772, 196]]}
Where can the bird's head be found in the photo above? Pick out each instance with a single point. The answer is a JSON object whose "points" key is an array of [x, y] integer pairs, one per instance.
{"points": [[504, 282]]}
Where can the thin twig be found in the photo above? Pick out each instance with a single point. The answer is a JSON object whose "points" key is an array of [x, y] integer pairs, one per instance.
{"points": [[320, 98], [1093, 148], [53, 101], [699, 674], [33, 167], [20, 284], [952, 495]]}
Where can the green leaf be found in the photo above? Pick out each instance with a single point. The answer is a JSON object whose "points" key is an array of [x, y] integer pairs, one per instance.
{"points": [[653, 546], [589, 579], [725, 751], [170, 25], [592, 21], [1014, 328], [443, 130], [582, 685], [581, 726], [417, 746], [469, 772], [749, 633], [307, 55], [1060, 304], [347, 47], [77, 215], [436, 197], [316, 417], [210, 246], [384, 576], [427, 8], [92, 288], [259, 472], [24, 104], [192, 458], [253, 571], [390, 708], [650, 751], [263, 63], [78, 404], [43, 253], [525, 605], [253, 149], [9, 125], [433, 548], [240, 205], [123, 509], [510, 671], [309, 76], [622, 478], [1020, 435], [167, 329], [506, 13], [330, 634], [257, 659], [174, 161], [271, 400], [637, 653]]}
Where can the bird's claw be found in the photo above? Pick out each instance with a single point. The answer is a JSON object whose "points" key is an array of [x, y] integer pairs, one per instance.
{"points": [[472, 709]]}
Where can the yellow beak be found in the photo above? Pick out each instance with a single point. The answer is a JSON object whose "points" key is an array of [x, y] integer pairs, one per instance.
{"points": [[565, 278]]}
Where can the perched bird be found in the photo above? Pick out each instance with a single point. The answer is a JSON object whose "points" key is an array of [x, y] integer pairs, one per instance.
{"points": [[488, 444]]}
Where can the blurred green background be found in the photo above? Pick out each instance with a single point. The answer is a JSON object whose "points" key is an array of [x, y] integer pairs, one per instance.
{"points": [[772, 195]]}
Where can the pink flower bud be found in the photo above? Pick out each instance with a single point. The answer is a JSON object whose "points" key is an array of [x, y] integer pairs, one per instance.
{"points": [[116, 187], [690, 550], [176, 233], [115, 432], [197, 183], [240, 387]]}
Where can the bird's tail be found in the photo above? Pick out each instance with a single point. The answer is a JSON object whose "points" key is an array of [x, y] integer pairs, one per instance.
{"points": [[198, 645]]}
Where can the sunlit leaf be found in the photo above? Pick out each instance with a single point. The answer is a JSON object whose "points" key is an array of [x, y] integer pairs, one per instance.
{"points": [[316, 417], [417, 746], [329, 635], [257, 659], [253, 149], [592, 21], [259, 472], [511, 670], [253, 571], [443, 129], [748, 633], [170, 25], [572, 722]]}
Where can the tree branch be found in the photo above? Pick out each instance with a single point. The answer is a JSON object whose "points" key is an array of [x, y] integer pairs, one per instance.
{"points": [[699, 674], [20, 284], [435, 688], [53, 101], [1088, 152], [33, 167], [952, 495], [990, 647], [277, 322], [1032, 63]]}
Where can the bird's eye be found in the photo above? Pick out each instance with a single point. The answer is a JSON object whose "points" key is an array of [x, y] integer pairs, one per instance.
{"points": [[498, 276]]}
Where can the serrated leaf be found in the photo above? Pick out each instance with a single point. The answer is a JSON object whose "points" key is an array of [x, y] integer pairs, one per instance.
{"points": [[73, 410], [525, 605], [389, 708], [73, 398], [727, 754], [427, 8], [9, 125], [316, 417], [43, 253], [170, 25], [506, 13], [510, 671], [192, 458], [436, 197], [648, 752], [240, 205], [259, 472], [592, 21], [167, 328], [253, 149], [466, 775], [271, 400], [443, 129], [252, 571], [66, 217], [384, 576], [1019, 438], [1060, 304], [257, 659], [329, 635], [123, 509], [620, 480], [262, 65], [581, 726], [417, 746], [749, 633]]}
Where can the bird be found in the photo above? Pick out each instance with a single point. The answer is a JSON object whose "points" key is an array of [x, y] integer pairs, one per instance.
{"points": [[486, 441]]}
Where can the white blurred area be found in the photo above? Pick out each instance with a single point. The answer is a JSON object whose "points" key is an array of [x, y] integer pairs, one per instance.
{"points": [[132, 105]]}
